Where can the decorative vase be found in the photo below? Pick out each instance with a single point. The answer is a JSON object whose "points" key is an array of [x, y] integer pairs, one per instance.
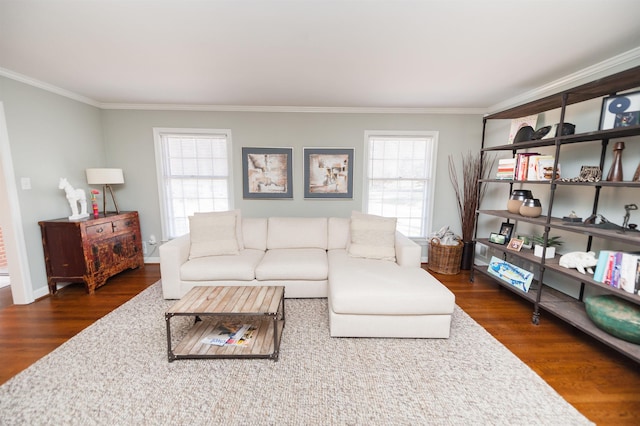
{"points": [[531, 207], [468, 250], [615, 174], [516, 199]]}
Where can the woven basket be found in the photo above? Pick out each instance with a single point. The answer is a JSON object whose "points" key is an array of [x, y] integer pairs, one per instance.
{"points": [[444, 259]]}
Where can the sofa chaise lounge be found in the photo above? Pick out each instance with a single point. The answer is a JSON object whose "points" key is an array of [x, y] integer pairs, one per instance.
{"points": [[370, 273]]}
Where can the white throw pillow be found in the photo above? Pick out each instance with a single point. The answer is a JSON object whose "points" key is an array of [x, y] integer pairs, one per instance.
{"points": [[372, 237], [237, 213], [213, 234]]}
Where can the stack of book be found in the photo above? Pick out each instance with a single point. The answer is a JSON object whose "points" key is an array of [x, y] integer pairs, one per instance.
{"points": [[527, 166], [619, 269], [506, 168]]}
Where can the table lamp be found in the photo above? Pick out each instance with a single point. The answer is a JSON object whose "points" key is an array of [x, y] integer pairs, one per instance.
{"points": [[106, 178]]}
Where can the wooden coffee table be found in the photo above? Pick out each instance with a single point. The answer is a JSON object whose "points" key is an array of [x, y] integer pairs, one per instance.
{"points": [[262, 306]]}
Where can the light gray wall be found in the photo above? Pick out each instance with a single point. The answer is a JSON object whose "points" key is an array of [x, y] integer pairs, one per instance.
{"points": [[50, 137], [129, 144]]}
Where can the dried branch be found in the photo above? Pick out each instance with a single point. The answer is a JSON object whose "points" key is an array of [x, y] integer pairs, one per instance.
{"points": [[469, 195]]}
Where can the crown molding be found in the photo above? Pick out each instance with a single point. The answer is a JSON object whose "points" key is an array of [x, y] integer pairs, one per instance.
{"points": [[48, 87], [617, 63], [626, 60], [290, 109]]}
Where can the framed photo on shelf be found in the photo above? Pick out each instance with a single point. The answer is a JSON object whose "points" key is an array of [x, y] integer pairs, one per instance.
{"points": [[267, 173], [506, 229], [497, 238], [515, 244], [526, 241], [620, 111], [328, 172]]}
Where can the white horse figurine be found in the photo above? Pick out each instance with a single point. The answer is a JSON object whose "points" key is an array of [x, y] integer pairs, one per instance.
{"points": [[75, 196]]}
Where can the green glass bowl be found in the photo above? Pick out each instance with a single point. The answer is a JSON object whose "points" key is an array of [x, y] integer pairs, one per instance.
{"points": [[616, 316]]}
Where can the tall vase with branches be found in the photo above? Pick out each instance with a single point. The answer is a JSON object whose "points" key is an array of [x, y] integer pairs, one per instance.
{"points": [[469, 195]]}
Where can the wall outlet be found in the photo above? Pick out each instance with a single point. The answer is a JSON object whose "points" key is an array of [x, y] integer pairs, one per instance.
{"points": [[144, 247]]}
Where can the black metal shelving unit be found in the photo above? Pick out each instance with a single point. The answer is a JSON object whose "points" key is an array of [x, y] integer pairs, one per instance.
{"points": [[543, 296]]}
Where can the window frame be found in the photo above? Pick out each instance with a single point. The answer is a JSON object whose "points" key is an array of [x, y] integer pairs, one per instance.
{"points": [[432, 151], [159, 133]]}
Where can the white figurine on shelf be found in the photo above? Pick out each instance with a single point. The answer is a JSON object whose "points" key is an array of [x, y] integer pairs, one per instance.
{"points": [[74, 196]]}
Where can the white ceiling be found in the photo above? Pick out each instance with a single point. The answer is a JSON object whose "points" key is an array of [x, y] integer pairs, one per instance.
{"points": [[317, 53]]}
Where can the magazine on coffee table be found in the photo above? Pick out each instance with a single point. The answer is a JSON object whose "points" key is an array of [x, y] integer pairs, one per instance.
{"points": [[229, 333]]}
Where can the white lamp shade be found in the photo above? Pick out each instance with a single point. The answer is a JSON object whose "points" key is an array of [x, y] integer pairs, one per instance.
{"points": [[104, 176]]}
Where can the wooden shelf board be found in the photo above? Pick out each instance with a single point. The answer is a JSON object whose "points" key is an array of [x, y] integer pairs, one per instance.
{"points": [[622, 81], [630, 237], [261, 344], [594, 136], [530, 295], [573, 312]]}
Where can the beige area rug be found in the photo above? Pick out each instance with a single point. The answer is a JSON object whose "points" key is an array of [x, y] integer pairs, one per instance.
{"points": [[116, 372]]}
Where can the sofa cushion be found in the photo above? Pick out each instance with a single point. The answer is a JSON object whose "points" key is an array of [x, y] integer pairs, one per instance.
{"points": [[297, 232], [238, 215], [254, 232], [293, 264], [372, 237], [339, 234], [239, 267], [213, 234], [371, 287]]}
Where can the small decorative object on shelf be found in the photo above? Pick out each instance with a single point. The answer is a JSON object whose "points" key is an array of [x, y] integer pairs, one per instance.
{"points": [[580, 260], [627, 209], [517, 277], [615, 174], [497, 238], [552, 243], [636, 175], [531, 207], [587, 174], [516, 199], [506, 229], [616, 316], [526, 241], [515, 244], [548, 132], [572, 217], [620, 111], [94, 203]]}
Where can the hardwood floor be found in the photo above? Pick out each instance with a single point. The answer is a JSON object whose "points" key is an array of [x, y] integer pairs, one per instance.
{"points": [[598, 381]]}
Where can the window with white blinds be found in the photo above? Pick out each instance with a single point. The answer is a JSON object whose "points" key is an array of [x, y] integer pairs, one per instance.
{"points": [[193, 175], [399, 178]]}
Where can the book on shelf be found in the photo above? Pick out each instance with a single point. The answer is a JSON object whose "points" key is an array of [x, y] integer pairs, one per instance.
{"points": [[230, 334], [533, 165], [618, 269], [545, 168], [522, 164]]}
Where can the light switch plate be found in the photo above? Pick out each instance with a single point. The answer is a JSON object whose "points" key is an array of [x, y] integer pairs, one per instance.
{"points": [[25, 182]]}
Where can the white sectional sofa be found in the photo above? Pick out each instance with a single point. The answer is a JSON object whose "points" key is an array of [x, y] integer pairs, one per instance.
{"points": [[370, 273]]}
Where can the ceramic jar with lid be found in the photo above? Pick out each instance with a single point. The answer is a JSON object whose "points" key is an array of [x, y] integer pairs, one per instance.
{"points": [[531, 207], [516, 199]]}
